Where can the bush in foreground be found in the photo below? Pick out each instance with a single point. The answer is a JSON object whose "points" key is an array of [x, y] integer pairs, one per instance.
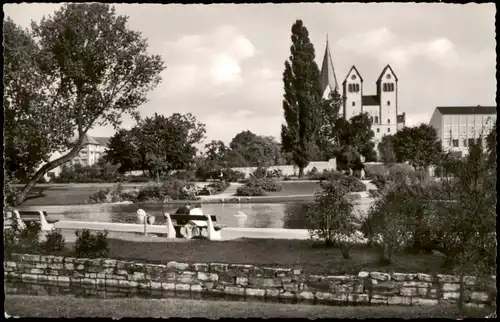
{"points": [[258, 187], [330, 218], [90, 245], [250, 191]]}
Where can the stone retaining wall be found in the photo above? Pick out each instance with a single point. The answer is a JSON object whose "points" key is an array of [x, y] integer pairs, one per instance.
{"points": [[52, 275]]}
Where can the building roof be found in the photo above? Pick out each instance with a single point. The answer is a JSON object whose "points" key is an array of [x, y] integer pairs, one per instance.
{"points": [[102, 140], [327, 76], [383, 72], [370, 100], [357, 72], [467, 109], [87, 139]]}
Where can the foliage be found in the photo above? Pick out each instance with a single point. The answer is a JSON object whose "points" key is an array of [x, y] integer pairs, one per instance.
{"points": [[348, 158], [301, 99], [219, 186], [386, 150], [17, 239], [356, 133], [54, 242], [113, 194], [259, 173], [249, 149], [99, 172], [157, 144], [266, 184], [326, 137], [78, 68], [418, 145], [250, 191], [186, 175], [229, 175], [331, 216], [90, 245]]}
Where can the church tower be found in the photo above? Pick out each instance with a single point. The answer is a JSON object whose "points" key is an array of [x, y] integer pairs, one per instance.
{"points": [[352, 89], [387, 90], [328, 79]]}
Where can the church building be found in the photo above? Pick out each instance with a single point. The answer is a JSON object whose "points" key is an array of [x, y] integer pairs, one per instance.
{"points": [[381, 107]]}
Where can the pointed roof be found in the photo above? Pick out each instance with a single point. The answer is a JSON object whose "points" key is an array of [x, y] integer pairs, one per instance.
{"points": [[349, 73], [89, 140], [383, 72], [328, 77]]}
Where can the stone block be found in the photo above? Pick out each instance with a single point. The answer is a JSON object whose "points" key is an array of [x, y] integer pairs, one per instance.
{"points": [[187, 277], [36, 271], [200, 267], [51, 280], [425, 277], [363, 274], [63, 280], [10, 264], [95, 262], [296, 272], [380, 276], [242, 281], [168, 286], [448, 278], [450, 287], [197, 288], [127, 284], [268, 272], [416, 284], [41, 265], [218, 268], [272, 293], [109, 263], [137, 276], [282, 272], [287, 295], [181, 287], [255, 292], [29, 277], [479, 296], [234, 290], [424, 302], [385, 288], [31, 258], [240, 269], [398, 300], [358, 298], [291, 287], [202, 276], [451, 295], [377, 301], [305, 295], [69, 260], [475, 305], [69, 266], [470, 280], [214, 277], [177, 266], [408, 291]]}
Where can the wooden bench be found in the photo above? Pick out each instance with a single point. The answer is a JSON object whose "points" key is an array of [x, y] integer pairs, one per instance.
{"points": [[213, 230], [46, 224]]}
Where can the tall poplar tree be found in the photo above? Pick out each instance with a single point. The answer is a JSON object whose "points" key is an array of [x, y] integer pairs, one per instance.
{"points": [[301, 99]]}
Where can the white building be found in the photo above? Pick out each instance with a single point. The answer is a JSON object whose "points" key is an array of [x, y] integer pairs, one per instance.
{"points": [[92, 150], [458, 126], [381, 107]]}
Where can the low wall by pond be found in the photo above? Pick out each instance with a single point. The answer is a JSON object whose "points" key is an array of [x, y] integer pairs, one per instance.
{"points": [[54, 275]]}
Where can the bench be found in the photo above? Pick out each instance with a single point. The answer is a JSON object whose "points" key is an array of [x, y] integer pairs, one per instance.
{"points": [[213, 230], [37, 216]]}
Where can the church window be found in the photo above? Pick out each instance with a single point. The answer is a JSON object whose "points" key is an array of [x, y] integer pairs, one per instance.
{"points": [[389, 129], [357, 88], [353, 103], [455, 143], [371, 119], [389, 103], [384, 87], [388, 76], [353, 77], [376, 119], [378, 130], [388, 121]]}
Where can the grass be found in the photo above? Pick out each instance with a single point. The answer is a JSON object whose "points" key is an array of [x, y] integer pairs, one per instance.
{"points": [[298, 254], [68, 307]]}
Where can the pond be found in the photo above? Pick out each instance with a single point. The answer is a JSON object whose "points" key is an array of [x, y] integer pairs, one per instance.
{"points": [[259, 215]]}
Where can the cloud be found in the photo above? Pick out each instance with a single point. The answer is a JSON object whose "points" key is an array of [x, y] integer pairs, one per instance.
{"points": [[388, 47]]}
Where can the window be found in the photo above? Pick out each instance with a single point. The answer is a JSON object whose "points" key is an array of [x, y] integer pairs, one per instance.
{"points": [[455, 143], [349, 88], [388, 103], [389, 129], [388, 121], [357, 88], [371, 119], [353, 77], [378, 130], [388, 76], [388, 87], [353, 103], [384, 87], [376, 119]]}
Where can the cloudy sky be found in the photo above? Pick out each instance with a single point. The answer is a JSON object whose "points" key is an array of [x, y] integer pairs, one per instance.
{"points": [[225, 62]]}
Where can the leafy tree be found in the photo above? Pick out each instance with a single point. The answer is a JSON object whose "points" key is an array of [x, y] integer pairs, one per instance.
{"points": [[157, 144], [357, 133], [326, 137], [491, 145], [331, 216], [348, 158], [301, 98], [418, 145], [78, 68], [256, 150], [386, 150]]}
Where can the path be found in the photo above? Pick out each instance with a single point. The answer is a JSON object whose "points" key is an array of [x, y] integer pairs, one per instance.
{"points": [[70, 307]]}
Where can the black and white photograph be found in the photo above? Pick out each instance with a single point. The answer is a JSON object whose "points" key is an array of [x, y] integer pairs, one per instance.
{"points": [[249, 160]]}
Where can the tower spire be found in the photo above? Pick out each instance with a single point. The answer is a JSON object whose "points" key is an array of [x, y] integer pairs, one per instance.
{"points": [[328, 77]]}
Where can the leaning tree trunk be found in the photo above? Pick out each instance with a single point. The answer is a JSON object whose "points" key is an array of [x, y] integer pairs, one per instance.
{"points": [[301, 172], [21, 197]]}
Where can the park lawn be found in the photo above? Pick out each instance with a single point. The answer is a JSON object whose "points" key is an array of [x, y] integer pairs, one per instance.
{"points": [[56, 195], [297, 254], [70, 307]]}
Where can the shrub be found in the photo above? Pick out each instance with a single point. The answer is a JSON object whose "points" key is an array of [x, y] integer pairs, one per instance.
{"points": [[174, 189], [267, 185], [286, 178], [54, 242], [250, 191], [259, 173], [313, 171], [183, 175], [276, 173], [231, 175], [91, 246], [325, 175], [134, 179], [352, 184], [376, 170], [219, 186], [151, 192], [330, 217], [30, 236]]}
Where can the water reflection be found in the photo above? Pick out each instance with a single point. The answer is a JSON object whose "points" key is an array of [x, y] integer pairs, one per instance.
{"points": [[259, 215]]}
